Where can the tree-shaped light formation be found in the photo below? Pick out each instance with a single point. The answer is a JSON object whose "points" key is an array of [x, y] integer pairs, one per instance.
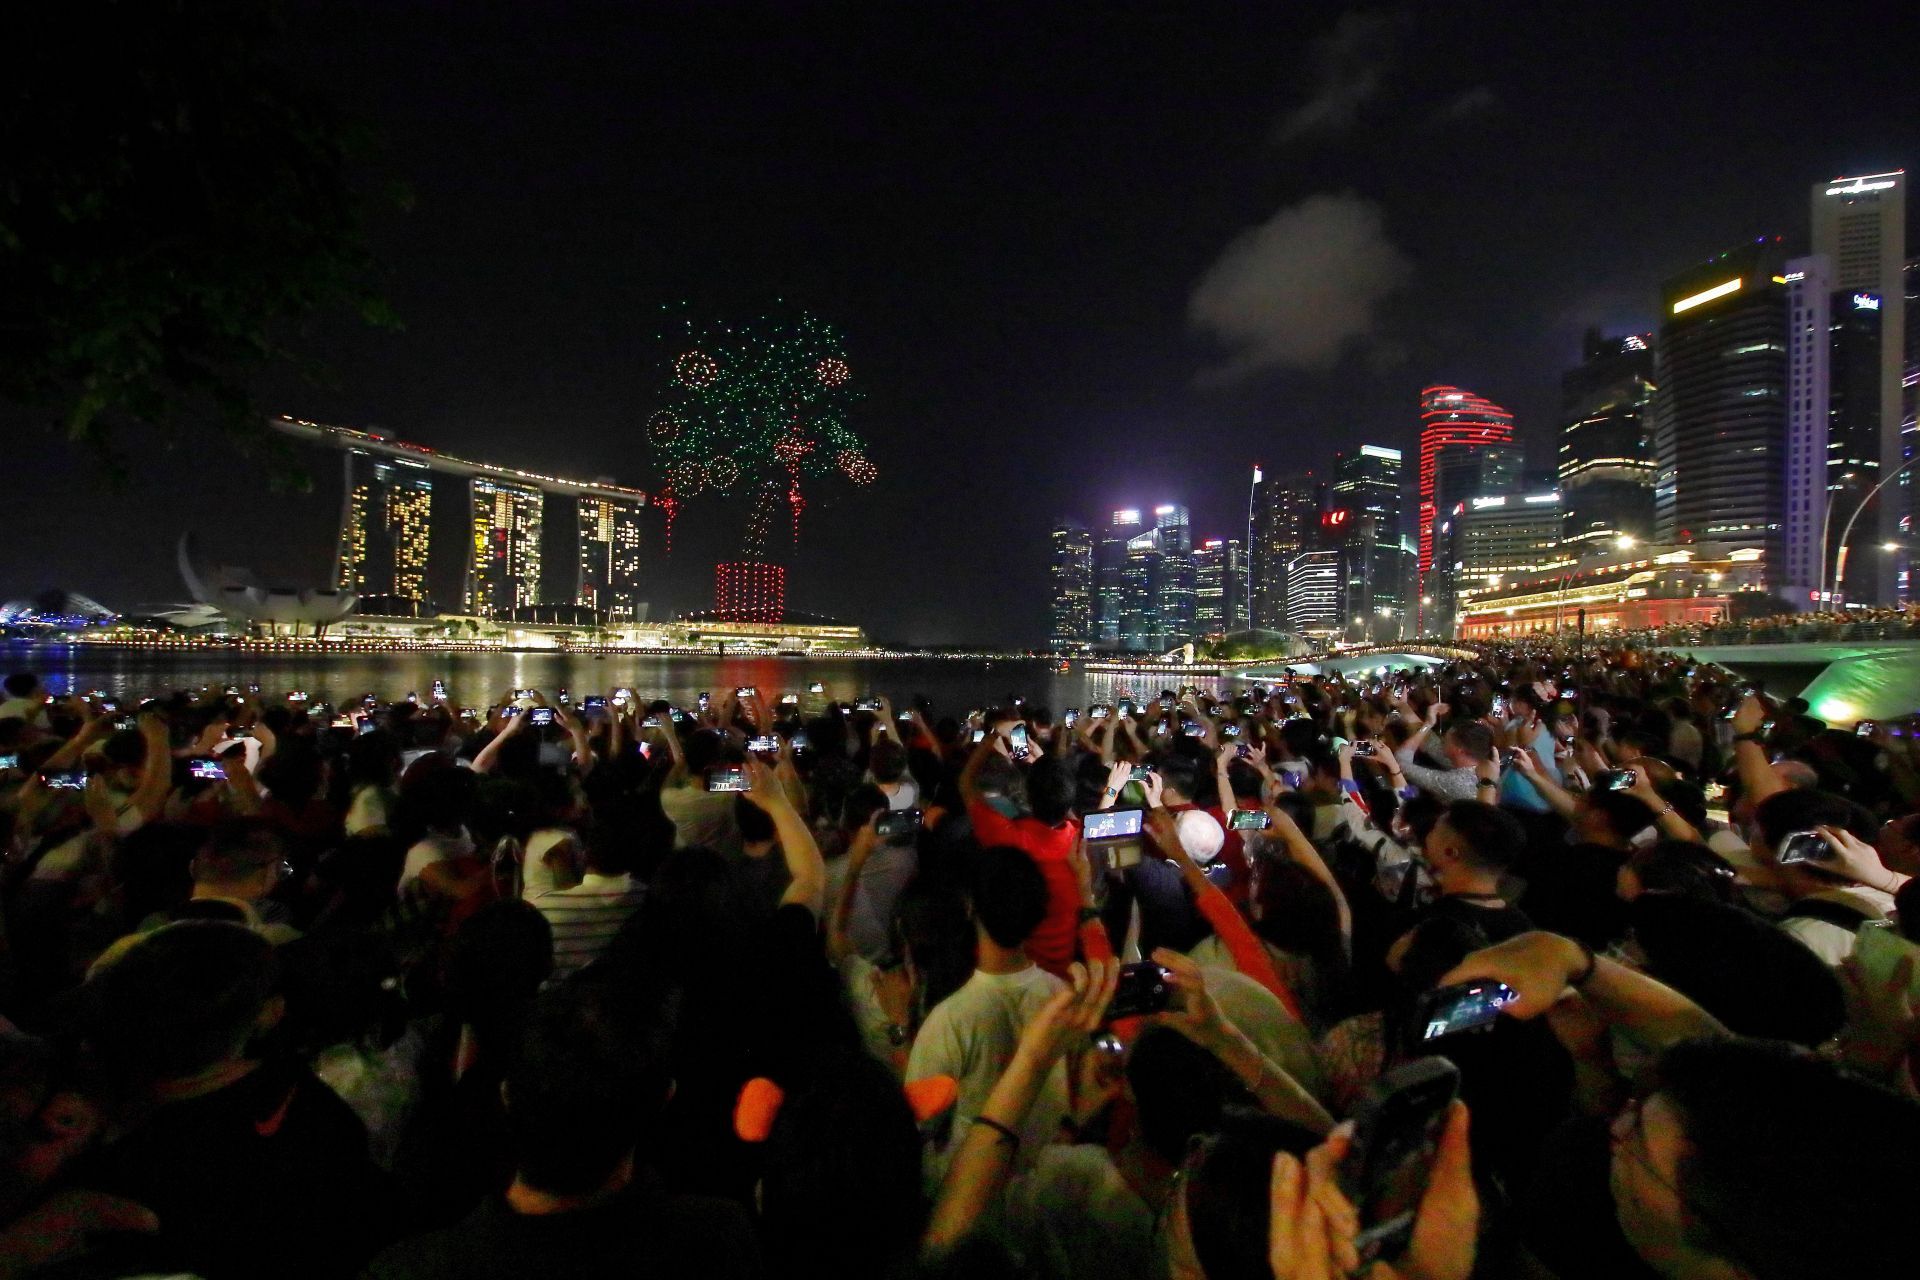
{"points": [[751, 410]]}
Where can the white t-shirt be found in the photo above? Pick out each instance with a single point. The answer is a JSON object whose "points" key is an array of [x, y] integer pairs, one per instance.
{"points": [[971, 1036], [434, 848], [368, 809], [1829, 941]]}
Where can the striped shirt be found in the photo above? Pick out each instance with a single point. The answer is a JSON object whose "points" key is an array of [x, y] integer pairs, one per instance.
{"points": [[585, 918]]}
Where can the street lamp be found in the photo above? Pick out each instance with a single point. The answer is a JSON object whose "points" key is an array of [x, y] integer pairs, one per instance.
{"points": [[1840, 558]]}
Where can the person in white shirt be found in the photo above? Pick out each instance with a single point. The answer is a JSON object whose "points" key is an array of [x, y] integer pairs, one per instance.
{"points": [[586, 916], [1807, 845], [971, 1035], [25, 699]]}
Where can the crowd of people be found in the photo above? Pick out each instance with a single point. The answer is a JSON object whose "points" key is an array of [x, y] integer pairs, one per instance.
{"points": [[1864, 622], [1541, 965]]}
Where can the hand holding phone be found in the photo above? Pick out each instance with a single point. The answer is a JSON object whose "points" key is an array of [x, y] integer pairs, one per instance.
{"points": [[1408, 1137]]}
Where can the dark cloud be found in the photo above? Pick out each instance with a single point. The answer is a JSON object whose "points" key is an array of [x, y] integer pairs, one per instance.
{"points": [[1465, 105], [1297, 290], [1347, 70]]}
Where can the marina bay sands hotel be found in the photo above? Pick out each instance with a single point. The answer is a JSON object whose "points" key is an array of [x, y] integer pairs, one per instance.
{"points": [[385, 528]]}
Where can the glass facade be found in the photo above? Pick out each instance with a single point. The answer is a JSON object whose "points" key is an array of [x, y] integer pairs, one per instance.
{"points": [[385, 525], [503, 571], [1071, 573], [1606, 464], [609, 578]]}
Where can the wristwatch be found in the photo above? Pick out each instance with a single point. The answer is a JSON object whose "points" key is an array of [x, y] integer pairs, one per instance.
{"points": [[1487, 782], [1751, 735]]}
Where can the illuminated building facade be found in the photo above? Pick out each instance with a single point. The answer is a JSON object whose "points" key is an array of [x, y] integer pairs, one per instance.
{"points": [[1286, 509], [1220, 577], [1466, 448], [1720, 424], [1606, 465], [1313, 592], [1174, 589], [1071, 574], [1110, 567], [384, 528], [1494, 539], [609, 549], [1860, 227], [1648, 586], [503, 570], [1367, 486], [1809, 283]]}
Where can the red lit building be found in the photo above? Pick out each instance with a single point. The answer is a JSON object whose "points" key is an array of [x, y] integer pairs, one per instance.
{"points": [[1466, 447]]}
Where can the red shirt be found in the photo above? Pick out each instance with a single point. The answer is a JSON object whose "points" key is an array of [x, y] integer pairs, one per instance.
{"points": [[1053, 943]]}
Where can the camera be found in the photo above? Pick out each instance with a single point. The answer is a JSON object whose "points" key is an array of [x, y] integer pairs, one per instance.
{"points": [[728, 778], [1141, 989]]}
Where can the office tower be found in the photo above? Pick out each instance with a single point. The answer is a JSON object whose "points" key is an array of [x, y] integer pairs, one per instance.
{"points": [[1174, 588], [609, 579], [503, 572], [1367, 484], [1110, 576], [1809, 399], [1495, 539], [1220, 567], [1909, 427], [1071, 575], [1605, 474], [1313, 591], [1285, 510], [1720, 430], [1854, 438], [1860, 227], [1466, 448], [384, 528], [1140, 629]]}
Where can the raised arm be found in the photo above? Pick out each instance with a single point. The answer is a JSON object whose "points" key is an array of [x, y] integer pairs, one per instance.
{"points": [[490, 754], [1757, 778], [839, 941], [797, 845], [1199, 1018]]}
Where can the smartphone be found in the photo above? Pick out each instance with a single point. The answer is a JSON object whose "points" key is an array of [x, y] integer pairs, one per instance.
{"points": [[728, 777], [413, 697], [1615, 780], [1193, 729], [1113, 824], [676, 715], [1070, 717], [1139, 773], [206, 768], [540, 717], [800, 740], [704, 700], [126, 722], [1463, 1007], [66, 779], [342, 722], [1396, 1134], [1803, 846], [897, 824], [236, 735], [1229, 730], [746, 691], [1364, 750], [1249, 820], [816, 687], [979, 735], [790, 700], [1166, 701], [1866, 729], [1017, 738], [867, 704], [298, 695], [765, 744], [10, 761], [1142, 989], [593, 702], [1098, 713]]}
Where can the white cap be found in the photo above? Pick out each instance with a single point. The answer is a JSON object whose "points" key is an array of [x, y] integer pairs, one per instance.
{"points": [[1201, 835]]}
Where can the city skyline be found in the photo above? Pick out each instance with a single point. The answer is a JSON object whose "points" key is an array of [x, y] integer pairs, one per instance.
{"points": [[1054, 265]]}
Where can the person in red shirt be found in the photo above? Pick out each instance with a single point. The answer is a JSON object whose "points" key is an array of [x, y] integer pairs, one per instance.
{"points": [[1048, 834]]}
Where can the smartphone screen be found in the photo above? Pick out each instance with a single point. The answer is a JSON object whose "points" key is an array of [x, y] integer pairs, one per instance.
{"points": [[727, 778], [594, 702], [1142, 989], [540, 716], [901, 822], [1249, 820], [765, 743], [10, 761], [1466, 1006], [206, 769], [1113, 824], [1396, 1135], [66, 779], [1017, 736]]}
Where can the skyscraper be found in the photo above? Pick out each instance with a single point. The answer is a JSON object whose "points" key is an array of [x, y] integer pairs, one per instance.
{"points": [[1856, 366], [1071, 575], [1809, 398], [1495, 539], [1285, 511], [1220, 574], [1139, 593], [1720, 437], [1860, 226], [1174, 588], [503, 572], [609, 579], [1110, 568], [384, 528], [1463, 437], [1606, 456], [1313, 592], [1367, 484]]}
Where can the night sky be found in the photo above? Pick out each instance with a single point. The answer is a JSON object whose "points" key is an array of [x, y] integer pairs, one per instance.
{"points": [[1081, 262]]}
